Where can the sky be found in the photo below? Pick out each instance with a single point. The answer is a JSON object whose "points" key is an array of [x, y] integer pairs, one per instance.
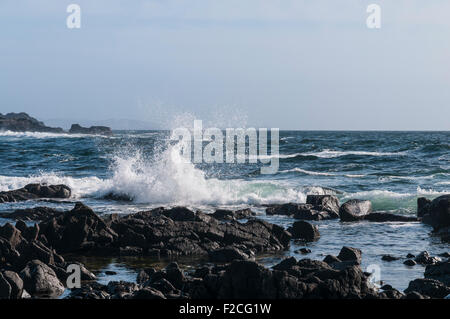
{"points": [[288, 64]]}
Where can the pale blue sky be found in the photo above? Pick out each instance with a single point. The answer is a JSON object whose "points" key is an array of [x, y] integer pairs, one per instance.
{"points": [[292, 64]]}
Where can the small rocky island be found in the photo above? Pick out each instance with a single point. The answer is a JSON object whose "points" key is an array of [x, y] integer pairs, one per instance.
{"points": [[22, 122]]}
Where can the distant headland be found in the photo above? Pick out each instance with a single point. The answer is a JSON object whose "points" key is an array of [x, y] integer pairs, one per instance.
{"points": [[22, 122]]}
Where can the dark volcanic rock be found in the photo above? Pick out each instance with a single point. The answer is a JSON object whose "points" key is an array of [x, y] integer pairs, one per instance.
{"points": [[304, 279], [180, 231], [328, 203], [22, 122], [319, 207], [36, 214], [227, 254], [77, 230], [387, 217], [410, 262], [428, 287], [304, 230], [389, 258], [355, 209], [11, 285], [423, 206], [435, 213], [35, 191], [350, 254], [40, 279], [93, 130], [424, 258], [224, 214], [16, 250], [439, 271]]}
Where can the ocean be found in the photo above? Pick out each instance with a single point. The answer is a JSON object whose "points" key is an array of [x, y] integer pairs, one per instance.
{"points": [[392, 169]]}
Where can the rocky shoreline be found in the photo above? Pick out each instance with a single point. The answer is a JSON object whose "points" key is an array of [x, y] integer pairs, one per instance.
{"points": [[34, 259], [22, 122]]}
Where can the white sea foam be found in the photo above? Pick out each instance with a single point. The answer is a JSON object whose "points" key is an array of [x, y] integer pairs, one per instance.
{"points": [[300, 170], [332, 154]]}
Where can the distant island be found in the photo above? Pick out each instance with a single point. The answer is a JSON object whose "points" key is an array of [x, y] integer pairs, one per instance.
{"points": [[22, 122]]}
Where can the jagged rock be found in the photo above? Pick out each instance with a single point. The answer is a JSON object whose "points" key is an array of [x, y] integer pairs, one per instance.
{"points": [[180, 231], [318, 207], [439, 271], [224, 214], [428, 287], [330, 259], [35, 191], [424, 258], [329, 203], [304, 231], [354, 210], [77, 230], [11, 285], [35, 214], [40, 279], [22, 122], [93, 130]]}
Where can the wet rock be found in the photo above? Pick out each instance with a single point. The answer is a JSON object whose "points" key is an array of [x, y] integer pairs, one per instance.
{"points": [[16, 251], [304, 231], [93, 130], [410, 256], [388, 217], [389, 258], [301, 211], [428, 287], [303, 251], [330, 259], [423, 206], [11, 285], [410, 262], [180, 231], [92, 290], [223, 214], [328, 203], [350, 254], [35, 214], [110, 273], [35, 191], [227, 254], [40, 279], [445, 255], [354, 210], [424, 258], [439, 271], [436, 213], [306, 279], [77, 230]]}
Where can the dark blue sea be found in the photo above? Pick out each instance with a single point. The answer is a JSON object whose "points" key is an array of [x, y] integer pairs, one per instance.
{"points": [[392, 169]]}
